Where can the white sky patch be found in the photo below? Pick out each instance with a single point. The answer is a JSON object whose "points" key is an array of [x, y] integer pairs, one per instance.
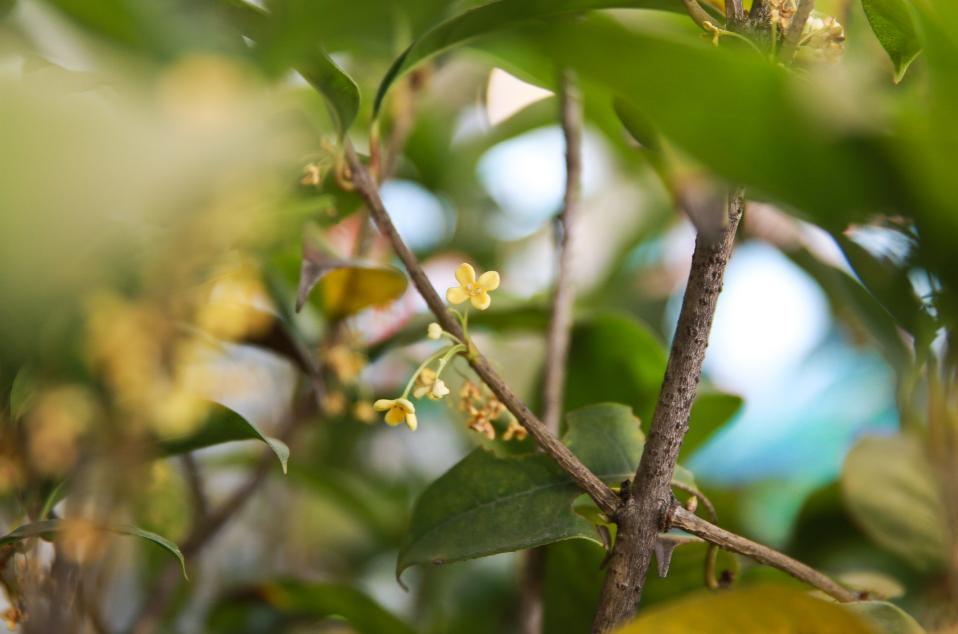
{"points": [[526, 177], [418, 215], [507, 94], [770, 316]]}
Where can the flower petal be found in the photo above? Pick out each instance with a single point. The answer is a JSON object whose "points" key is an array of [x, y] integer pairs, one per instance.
{"points": [[482, 300], [465, 274], [407, 405], [412, 422], [489, 280], [383, 404], [456, 295], [395, 415], [420, 391]]}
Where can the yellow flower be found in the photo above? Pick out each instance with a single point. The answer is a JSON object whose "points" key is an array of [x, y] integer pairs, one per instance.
{"points": [[472, 289], [397, 410], [429, 384], [434, 331]]}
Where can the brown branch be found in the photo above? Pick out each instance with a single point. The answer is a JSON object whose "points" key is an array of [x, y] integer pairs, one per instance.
{"points": [[734, 14], [588, 481], [194, 480], [692, 523], [560, 330], [644, 514], [793, 33], [699, 15]]}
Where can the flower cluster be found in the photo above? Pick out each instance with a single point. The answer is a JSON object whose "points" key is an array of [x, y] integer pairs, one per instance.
{"points": [[482, 409], [427, 382]]}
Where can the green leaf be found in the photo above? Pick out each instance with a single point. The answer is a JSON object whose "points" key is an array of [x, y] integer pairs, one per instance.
{"points": [[832, 172], [158, 30], [492, 17], [891, 493], [752, 610], [572, 582], [488, 504], [223, 425], [886, 618], [892, 24], [891, 287], [614, 357], [290, 601], [49, 528], [710, 412], [21, 392], [316, 67]]}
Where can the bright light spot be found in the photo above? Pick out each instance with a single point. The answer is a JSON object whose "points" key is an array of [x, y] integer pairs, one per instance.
{"points": [[770, 316], [526, 177], [418, 215], [507, 95]]}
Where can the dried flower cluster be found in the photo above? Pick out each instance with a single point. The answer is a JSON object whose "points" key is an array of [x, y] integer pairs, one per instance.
{"points": [[482, 409]]}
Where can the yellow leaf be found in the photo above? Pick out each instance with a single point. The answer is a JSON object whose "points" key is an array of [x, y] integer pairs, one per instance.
{"points": [[755, 610]]}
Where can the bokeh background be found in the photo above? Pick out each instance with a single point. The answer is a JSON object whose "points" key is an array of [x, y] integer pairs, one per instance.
{"points": [[160, 175]]}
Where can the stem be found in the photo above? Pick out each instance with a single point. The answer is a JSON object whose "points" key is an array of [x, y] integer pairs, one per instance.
{"points": [[691, 523], [588, 481], [149, 617], [644, 512], [698, 14], [422, 366], [560, 330]]}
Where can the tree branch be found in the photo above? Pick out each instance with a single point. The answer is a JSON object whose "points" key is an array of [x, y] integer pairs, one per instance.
{"points": [[644, 514], [692, 523], [734, 14], [560, 326], [588, 481], [793, 34], [160, 595], [560, 330]]}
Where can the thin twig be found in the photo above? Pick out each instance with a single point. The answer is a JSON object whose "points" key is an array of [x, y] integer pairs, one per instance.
{"points": [[692, 523], [194, 481], [794, 31], [560, 329], [560, 326], [162, 592], [588, 481], [642, 517], [698, 14]]}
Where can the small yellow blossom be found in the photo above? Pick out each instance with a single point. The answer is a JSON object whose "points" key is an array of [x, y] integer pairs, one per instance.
{"points": [[514, 430], [397, 410], [476, 290], [434, 331], [429, 384], [312, 175]]}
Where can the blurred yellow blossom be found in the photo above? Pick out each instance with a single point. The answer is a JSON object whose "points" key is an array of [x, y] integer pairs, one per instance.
{"points": [[54, 426], [237, 305], [434, 331], [82, 540], [345, 363], [470, 288], [398, 411], [312, 175], [364, 412]]}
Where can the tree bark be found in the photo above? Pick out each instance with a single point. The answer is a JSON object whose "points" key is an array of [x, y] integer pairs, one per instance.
{"points": [[647, 503]]}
